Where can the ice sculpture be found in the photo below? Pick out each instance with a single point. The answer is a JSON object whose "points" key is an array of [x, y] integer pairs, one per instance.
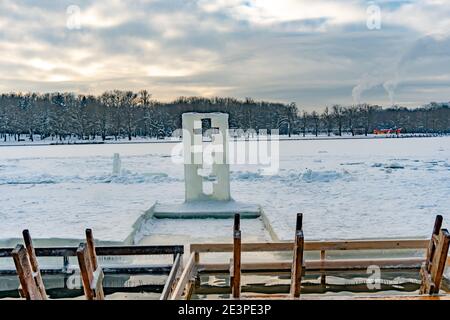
{"points": [[117, 164], [206, 173], [196, 174]]}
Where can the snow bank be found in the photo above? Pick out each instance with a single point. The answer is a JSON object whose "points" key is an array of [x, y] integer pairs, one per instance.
{"points": [[290, 176], [124, 178], [341, 187], [394, 165], [200, 228], [311, 176]]}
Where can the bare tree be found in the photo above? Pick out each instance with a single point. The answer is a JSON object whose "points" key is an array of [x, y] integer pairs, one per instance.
{"points": [[316, 121], [338, 116], [117, 113], [367, 112], [327, 120], [128, 102], [351, 114], [305, 118], [144, 102]]}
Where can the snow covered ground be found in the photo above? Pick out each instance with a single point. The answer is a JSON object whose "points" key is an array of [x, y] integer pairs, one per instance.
{"points": [[363, 188], [25, 140]]}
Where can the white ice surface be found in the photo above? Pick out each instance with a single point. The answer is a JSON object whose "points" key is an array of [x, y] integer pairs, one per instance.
{"points": [[345, 188]]}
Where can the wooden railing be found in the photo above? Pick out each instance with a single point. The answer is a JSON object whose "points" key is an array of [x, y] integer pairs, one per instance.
{"points": [[185, 283], [314, 245], [92, 274], [66, 252], [173, 278], [322, 247]]}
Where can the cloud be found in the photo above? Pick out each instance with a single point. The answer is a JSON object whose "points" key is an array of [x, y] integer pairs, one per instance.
{"points": [[424, 16], [311, 52], [426, 53], [266, 12]]}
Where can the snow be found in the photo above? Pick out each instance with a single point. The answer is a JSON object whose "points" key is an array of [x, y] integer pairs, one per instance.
{"points": [[25, 140], [222, 228], [349, 188], [206, 209], [37, 141]]}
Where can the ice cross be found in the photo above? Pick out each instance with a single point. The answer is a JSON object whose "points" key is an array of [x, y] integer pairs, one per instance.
{"points": [[195, 175]]}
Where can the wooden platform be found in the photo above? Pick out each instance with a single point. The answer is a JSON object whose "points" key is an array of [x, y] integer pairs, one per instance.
{"points": [[299, 265], [204, 210]]}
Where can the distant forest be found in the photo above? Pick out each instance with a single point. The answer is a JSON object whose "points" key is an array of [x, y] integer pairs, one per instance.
{"points": [[127, 114]]}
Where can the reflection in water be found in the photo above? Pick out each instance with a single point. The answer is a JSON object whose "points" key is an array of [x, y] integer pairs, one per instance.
{"points": [[217, 286]]}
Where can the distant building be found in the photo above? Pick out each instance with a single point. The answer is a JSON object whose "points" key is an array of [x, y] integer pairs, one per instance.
{"points": [[387, 131]]}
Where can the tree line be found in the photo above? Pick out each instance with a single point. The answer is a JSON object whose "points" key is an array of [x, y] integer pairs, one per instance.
{"points": [[126, 114], [365, 118]]}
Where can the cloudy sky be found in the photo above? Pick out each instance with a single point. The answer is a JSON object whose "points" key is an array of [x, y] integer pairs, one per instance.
{"points": [[314, 53]]}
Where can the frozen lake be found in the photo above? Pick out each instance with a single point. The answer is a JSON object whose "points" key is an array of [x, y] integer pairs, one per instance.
{"points": [[363, 188]]}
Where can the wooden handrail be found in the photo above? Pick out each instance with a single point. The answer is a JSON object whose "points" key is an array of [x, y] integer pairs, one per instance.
{"points": [[314, 245], [433, 269], [188, 271], [29, 288], [322, 247], [66, 252], [91, 273], [101, 251], [318, 265], [172, 278], [34, 263]]}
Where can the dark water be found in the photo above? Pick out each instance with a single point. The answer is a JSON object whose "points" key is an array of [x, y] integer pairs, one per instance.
{"points": [[217, 286], [63, 287]]}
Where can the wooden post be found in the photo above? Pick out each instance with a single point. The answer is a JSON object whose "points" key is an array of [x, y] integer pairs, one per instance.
{"points": [[197, 257], [197, 262], [432, 276], [299, 222], [28, 285], [85, 271], [434, 266], [172, 278], [190, 288], [34, 263], [440, 259], [297, 264], [236, 263], [186, 275], [434, 234], [323, 277], [91, 273], [91, 248]]}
